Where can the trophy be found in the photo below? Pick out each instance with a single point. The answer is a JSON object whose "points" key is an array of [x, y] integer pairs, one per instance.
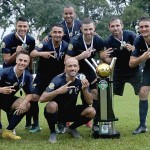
{"points": [[107, 117]]}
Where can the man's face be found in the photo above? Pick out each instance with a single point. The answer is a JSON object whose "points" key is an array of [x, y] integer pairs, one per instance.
{"points": [[69, 14], [144, 28], [71, 67], [22, 28], [116, 27], [57, 33], [22, 61], [88, 30]]}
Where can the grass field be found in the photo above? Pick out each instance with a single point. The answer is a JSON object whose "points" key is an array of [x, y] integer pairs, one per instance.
{"points": [[126, 109]]}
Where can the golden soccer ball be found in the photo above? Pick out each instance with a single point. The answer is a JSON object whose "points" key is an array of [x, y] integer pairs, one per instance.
{"points": [[103, 70]]}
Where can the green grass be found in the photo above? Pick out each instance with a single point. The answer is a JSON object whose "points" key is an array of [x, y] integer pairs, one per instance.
{"points": [[126, 109]]}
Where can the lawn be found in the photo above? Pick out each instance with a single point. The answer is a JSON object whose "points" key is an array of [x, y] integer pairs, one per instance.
{"points": [[126, 109]]}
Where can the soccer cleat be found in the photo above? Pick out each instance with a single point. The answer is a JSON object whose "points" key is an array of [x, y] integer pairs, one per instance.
{"points": [[73, 132], [61, 128], [140, 129], [89, 124], [8, 134], [52, 138], [35, 129], [29, 127]]}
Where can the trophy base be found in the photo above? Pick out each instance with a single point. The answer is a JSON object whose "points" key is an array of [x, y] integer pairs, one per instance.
{"points": [[114, 135]]}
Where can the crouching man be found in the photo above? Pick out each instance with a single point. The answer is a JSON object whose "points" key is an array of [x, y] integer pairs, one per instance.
{"points": [[14, 80], [62, 94]]}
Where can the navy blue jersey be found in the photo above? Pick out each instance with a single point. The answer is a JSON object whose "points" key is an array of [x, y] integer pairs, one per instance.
{"points": [[10, 43], [68, 99], [8, 78], [140, 48], [51, 66], [76, 47], [73, 31], [122, 54]]}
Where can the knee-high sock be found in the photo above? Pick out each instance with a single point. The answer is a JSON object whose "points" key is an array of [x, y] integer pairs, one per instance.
{"points": [[96, 107], [35, 113], [79, 122], [9, 116], [15, 121], [143, 108], [51, 120]]}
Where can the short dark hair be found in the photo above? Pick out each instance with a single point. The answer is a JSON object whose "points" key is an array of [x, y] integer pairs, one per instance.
{"points": [[114, 18], [145, 18], [88, 21], [23, 52], [57, 24], [24, 19]]}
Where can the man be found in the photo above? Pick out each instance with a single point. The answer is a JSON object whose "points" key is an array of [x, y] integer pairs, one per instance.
{"points": [[61, 95], [15, 42], [139, 55], [120, 45], [15, 80], [51, 54], [84, 47], [70, 24]]}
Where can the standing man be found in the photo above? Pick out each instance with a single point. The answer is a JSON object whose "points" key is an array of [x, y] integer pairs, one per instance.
{"points": [[139, 55], [120, 45], [51, 54], [15, 42], [13, 80], [71, 25], [61, 95], [84, 47]]}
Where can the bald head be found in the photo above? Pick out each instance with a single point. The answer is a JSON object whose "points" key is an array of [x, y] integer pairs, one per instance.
{"points": [[71, 60], [71, 67]]}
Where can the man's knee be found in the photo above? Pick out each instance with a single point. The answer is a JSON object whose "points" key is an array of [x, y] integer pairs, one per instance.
{"points": [[51, 107], [89, 112]]}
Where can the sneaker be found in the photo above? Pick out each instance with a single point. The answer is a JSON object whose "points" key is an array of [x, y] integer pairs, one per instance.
{"points": [[29, 127], [14, 131], [73, 132], [61, 128], [52, 138], [140, 129], [8, 134], [89, 124], [35, 129]]}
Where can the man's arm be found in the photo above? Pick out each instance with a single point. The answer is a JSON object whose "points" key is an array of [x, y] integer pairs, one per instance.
{"points": [[135, 61], [87, 95]]}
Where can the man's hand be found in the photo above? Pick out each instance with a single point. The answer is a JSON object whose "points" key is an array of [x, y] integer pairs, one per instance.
{"points": [[85, 84], [21, 108], [130, 47], [7, 89], [47, 55], [106, 53], [63, 89], [87, 53]]}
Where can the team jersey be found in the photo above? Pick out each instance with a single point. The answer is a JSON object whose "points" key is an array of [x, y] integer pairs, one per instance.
{"points": [[68, 99], [140, 48], [51, 66], [71, 32], [122, 54], [8, 78], [10, 43], [76, 47]]}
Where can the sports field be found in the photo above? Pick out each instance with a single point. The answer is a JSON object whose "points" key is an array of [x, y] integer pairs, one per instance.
{"points": [[126, 109]]}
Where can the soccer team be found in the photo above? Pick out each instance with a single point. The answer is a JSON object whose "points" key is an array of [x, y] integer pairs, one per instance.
{"points": [[63, 73]]}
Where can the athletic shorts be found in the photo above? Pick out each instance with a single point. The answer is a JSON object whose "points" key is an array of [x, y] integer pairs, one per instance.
{"points": [[6, 101], [40, 84], [70, 114], [120, 80], [146, 78]]}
